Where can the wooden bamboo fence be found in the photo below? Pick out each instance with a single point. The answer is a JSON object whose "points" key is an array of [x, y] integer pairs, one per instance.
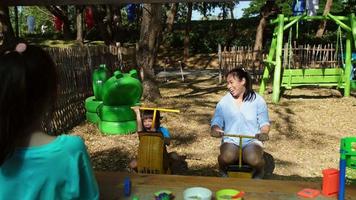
{"points": [[298, 57], [75, 67], [243, 56], [311, 56]]}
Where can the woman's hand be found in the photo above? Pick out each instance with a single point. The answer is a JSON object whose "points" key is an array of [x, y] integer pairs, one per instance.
{"points": [[216, 131], [262, 137]]}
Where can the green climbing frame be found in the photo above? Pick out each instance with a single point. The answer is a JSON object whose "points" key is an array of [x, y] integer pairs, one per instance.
{"points": [[289, 78]]}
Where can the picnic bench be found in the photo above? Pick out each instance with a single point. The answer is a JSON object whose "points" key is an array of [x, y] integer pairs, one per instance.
{"points": [[145, 185]]}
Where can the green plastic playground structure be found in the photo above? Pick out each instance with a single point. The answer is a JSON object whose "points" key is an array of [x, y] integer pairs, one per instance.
{"points": [[110, 107], [119, 94], [289, 78], [347, 159], [92, 103]]}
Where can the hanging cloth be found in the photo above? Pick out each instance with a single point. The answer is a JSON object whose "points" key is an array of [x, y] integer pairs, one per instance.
{"points": [[58, 24], [131, 12], [89, 18], [31, 24], [312, 6], [298, 7]]}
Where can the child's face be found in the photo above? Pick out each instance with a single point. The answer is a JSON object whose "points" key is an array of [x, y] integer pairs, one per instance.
{"points": [[147, 123]]}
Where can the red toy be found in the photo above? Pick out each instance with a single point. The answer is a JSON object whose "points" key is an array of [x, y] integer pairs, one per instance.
{"points": [[308, 193], [58, 24], [330, 182], [89, 18]]}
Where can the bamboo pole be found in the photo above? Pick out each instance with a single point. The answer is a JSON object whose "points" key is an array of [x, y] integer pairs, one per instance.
{"points": [[339, 22], [348, 65], [295, 20], [278, 68], [269, 60], [289, 19]]}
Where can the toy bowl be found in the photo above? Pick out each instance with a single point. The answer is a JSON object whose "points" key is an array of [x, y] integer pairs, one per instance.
{"points": [[197, 193], [228, 194]]}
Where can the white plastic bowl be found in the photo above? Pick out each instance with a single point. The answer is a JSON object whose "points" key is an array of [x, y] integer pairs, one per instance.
{"points": [[197, 193]]}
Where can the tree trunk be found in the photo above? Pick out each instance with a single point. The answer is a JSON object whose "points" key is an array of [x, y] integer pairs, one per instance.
{"points": [[232, 11], [117, 19], [322, 24], [147, 49], [17, 32], [187, 31], [118, 33], [269, 9], [259, 37], [79, 19], [171, 14], [7, 36], [108, 20], [224, 13], [66, 24], [99, 13]]}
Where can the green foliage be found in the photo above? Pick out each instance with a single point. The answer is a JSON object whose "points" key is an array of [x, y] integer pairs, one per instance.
{"points": [[206, 35], [337, 6], [256, 6], [285, 6], [42, 16]]}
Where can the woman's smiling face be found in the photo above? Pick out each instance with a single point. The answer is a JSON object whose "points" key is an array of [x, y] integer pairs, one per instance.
{"points": [[235, 86]]}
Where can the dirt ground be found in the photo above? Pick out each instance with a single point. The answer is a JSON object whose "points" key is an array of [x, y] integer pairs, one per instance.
{"points": [[307, 126]]}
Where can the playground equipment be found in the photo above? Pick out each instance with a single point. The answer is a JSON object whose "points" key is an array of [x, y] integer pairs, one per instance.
{"points": [[92, 103], [151, 148], [347, 159], [150, 154], [240, 170], [288, 78], [119, 94], [330, 182]]}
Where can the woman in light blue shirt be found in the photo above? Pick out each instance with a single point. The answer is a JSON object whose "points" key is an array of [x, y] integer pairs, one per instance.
{"points": [[241, 112]]}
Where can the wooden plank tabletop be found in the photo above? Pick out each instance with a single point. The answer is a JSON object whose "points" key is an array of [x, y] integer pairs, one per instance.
{"points": [[144, 186]]}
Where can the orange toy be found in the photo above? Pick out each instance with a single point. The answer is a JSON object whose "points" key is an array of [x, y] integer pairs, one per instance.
{"points": [[308, 193], [330, 182]]}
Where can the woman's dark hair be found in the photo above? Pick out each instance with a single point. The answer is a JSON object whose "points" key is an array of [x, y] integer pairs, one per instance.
{"points": [[28, 88], [240, 74], [148, 114]]}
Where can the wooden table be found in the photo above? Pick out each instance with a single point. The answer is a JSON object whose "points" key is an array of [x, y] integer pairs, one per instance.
{"points": [[144, 186]]}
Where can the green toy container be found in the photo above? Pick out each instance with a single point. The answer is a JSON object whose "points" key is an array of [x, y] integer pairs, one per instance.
{"points": [[122, 89], [91, 107], [119, 94], [227, 194], [116, 113], [100, 76], [92, 117], [353, 84], [118, 128], [348, 151]]}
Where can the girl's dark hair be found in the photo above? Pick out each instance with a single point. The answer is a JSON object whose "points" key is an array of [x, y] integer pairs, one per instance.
{"points": [[148, 114], [28, 88], [239, 74]]}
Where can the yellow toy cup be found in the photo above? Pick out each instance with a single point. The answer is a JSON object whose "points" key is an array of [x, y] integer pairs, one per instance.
{"points": [[225, 194]]}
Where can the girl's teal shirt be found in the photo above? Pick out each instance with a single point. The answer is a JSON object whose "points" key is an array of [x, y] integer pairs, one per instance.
{"points": [[60, 169]]}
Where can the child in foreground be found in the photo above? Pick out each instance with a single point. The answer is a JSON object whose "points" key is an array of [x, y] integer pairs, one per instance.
{"points": [[33, 164]]}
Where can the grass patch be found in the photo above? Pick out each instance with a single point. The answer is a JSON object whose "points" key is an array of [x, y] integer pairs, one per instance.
{"points": [[351, 176], [62, 43]]}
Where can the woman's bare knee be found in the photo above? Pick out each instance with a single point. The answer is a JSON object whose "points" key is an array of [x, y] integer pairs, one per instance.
{"points": [[253, 155], [228, 153]]}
